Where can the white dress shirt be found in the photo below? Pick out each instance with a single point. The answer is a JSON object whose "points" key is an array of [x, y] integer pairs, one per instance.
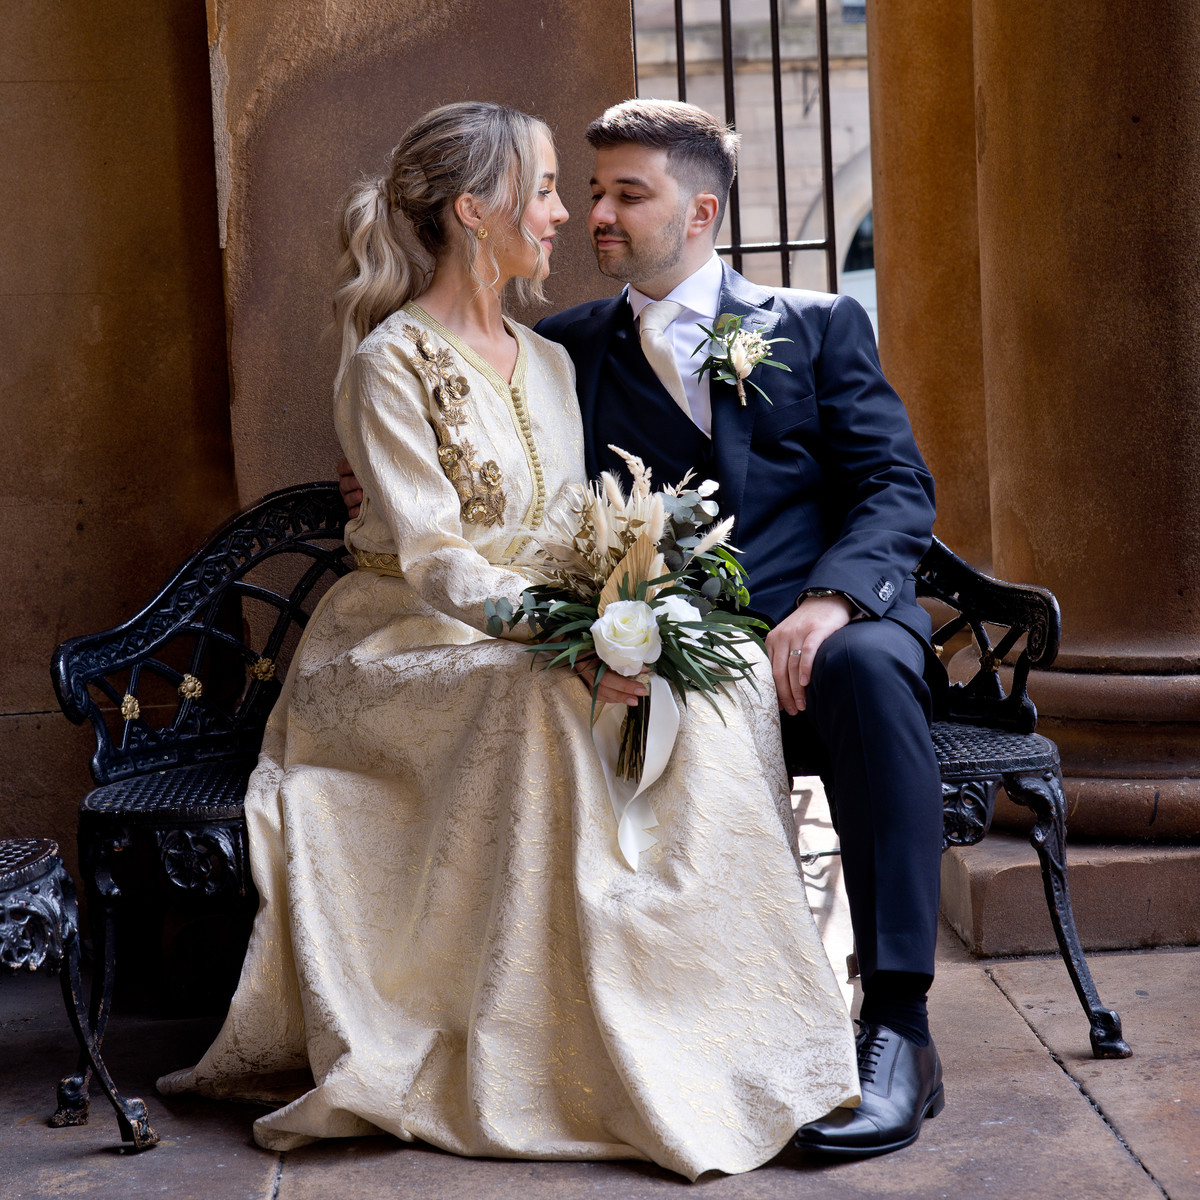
{"points": [[700, 295]]}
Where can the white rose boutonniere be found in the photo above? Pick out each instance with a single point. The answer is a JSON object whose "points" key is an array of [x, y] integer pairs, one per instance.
{"points": [[734, 352]]}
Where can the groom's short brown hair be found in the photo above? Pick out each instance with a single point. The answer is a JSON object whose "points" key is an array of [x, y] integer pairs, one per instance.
{"points": [[701, 151]]}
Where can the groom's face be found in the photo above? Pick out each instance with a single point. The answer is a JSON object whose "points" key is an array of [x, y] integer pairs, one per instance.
{"points": [[638, 218]]}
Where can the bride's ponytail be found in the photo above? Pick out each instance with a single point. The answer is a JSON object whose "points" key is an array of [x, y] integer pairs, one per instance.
{"points": [[380, 269], [394, 228]]}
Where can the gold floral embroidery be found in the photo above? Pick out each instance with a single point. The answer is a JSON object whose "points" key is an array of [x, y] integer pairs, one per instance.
{"points": [[190, 688], [263, 669], [479, 486], [130, 708], [436, 368]]}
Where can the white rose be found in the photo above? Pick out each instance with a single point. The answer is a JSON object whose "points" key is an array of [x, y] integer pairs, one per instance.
{"points": [[677, 609], [626, 636]]}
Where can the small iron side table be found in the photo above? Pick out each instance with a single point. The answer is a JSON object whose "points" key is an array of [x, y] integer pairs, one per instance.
{"points": [[39, 928]]}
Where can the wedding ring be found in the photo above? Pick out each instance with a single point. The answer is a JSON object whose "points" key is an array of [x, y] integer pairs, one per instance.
{"points": [[795, 653]]}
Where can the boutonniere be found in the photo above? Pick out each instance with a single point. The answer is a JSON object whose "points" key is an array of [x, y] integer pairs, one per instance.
{"points": [[734, 352]]}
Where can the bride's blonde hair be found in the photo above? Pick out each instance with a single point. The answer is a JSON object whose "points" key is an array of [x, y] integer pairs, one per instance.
{"points": [[396, 227]]}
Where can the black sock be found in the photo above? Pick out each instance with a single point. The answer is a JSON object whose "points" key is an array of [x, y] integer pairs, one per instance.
{"points": [[896, 1000]]}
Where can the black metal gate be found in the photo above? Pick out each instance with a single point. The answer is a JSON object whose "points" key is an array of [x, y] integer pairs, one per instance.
{"points": [[696, 15]]}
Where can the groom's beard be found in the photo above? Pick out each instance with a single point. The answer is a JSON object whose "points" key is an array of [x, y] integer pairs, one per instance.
{"points": [[647, 257]]}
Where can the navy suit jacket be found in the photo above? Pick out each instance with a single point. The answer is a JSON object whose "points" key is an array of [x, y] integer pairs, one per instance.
{"points": [[826, 482]]}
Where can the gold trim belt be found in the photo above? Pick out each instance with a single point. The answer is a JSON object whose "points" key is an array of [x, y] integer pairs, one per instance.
{"points": [[385, 564]]}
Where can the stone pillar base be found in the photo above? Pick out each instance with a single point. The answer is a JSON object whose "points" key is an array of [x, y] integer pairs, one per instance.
{"points": [[1117, 809], [1124, 897]]}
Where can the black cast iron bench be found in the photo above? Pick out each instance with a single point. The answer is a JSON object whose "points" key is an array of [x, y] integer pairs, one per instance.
{"points": [[215, 643], [988, 742], [179, 696]]}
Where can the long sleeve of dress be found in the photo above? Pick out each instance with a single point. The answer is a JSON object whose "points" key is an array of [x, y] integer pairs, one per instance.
{"points": [[383, 421]]}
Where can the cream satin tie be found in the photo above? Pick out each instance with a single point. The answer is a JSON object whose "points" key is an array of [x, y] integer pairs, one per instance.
{"points": [[659, 352]]}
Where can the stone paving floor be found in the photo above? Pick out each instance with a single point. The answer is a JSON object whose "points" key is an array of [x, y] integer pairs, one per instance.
{"points": [[1029, 1113]]}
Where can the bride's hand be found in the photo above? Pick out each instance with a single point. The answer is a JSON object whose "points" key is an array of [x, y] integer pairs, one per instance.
{"points": [[614, 688]]}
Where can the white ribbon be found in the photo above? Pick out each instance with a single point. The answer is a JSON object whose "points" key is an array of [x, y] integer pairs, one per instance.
{"points": [[632, 810]]}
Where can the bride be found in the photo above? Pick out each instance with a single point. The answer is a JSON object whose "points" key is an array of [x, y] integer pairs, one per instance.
{"points": [[449, 945]]}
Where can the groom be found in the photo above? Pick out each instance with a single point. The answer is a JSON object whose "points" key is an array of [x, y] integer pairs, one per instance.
{"points": [[834, 509]]}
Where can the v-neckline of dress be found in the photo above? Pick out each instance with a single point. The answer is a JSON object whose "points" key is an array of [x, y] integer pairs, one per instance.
{"points": [[513, 396], [481, 364]]}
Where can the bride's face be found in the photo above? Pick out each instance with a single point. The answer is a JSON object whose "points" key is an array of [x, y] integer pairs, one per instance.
{"points": [[541, 218]]}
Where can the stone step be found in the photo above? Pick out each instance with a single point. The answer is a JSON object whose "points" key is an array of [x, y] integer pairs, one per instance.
{"points": [[1124, 897]]}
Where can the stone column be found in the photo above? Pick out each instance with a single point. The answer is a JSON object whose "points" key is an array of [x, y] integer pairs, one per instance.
{"points": [[1089, 223], [310, 94], [927, 248]]}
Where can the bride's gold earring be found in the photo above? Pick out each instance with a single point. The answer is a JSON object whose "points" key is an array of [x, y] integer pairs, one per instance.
{"points": [[481, 233]]}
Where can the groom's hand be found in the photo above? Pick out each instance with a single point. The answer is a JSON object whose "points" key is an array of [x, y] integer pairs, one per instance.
{"points": [[348, 486], [793, 644]]}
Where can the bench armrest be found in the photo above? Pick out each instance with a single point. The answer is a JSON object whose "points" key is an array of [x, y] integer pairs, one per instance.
{"points": [[219, 666], [1018, 610]]}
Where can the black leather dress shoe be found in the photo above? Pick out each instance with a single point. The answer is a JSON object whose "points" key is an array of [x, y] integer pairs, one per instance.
{"points": [[901, 1086]]}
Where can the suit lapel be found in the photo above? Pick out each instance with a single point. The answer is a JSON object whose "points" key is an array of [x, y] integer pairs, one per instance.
{"points": [[588, 351], [732, 424]]}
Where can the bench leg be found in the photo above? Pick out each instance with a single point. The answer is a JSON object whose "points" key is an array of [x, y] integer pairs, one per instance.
{"points": [[1043, 793]]}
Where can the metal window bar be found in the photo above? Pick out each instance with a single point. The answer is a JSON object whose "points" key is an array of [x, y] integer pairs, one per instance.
{"points": [[785, 246], [680, 63]]}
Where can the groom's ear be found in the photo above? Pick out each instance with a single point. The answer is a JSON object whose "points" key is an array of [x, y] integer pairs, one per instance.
{"points": [[702, 215]]}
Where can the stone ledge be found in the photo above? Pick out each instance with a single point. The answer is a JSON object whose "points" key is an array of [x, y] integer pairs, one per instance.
{"points": [[1124, 897]]}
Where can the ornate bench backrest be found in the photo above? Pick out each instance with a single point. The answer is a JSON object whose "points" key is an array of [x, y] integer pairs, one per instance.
{"points": [[982, 603], [194, 675]]}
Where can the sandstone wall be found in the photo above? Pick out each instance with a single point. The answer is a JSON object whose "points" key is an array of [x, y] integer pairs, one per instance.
{"points": [[113, 388]]}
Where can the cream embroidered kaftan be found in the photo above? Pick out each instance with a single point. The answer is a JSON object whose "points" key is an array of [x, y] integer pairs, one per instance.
{"points": [[448, 939]]}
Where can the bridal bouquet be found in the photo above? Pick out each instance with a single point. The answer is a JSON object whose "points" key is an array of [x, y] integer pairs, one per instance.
{"points": [[647, 585]]}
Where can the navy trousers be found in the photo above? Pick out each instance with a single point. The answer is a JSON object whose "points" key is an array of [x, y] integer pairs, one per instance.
{"points": [[866, 733]]}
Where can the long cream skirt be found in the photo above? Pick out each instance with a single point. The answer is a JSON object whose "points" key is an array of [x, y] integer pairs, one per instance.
{"points": [[449, 946]]}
